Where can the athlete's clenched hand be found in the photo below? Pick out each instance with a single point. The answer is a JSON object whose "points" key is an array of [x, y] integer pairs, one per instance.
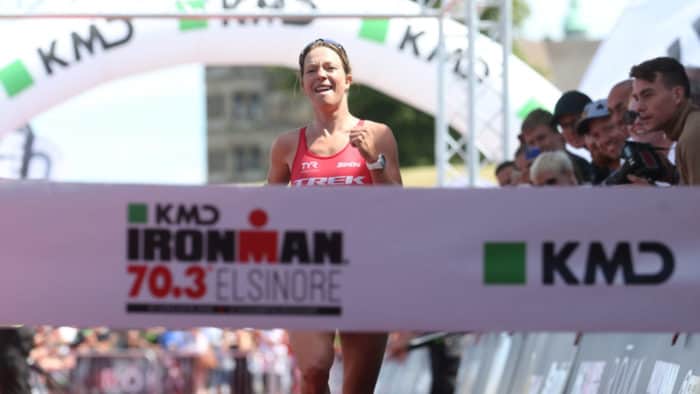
{"points": [[364, 140]]}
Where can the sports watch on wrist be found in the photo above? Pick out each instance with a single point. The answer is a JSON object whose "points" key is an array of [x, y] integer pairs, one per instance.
{"points": [[379, 164]]}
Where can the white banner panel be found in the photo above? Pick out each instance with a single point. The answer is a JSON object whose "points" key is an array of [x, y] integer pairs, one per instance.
{"points": [[369, 259]]}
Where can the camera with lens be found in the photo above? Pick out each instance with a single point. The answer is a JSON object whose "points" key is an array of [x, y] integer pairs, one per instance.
{"points": [[642, 160]]}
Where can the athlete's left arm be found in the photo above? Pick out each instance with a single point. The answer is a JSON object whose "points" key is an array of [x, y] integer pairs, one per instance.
{"points": [[371, 139], [386, 143]]}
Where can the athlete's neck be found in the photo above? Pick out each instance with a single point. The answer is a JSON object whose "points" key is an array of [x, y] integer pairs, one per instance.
{"points": [[337, 120]]}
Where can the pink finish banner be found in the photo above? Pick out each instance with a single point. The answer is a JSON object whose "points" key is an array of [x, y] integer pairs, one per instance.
{"points": [[371, 259]]}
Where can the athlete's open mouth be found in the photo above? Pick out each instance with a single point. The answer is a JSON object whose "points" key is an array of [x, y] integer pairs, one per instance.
{"points": [[321, 89]]}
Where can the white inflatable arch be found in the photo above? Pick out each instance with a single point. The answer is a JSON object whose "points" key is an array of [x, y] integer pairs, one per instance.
{"points": [[51, 61], [657, 28]]}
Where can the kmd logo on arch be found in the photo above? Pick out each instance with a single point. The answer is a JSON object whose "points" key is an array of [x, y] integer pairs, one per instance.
{"points": [[506, 263]]}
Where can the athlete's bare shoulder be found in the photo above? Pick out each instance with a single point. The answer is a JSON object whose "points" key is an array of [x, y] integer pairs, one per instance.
{"points": [[281, 157], [287, 141], [377, 127], [285, 145]]}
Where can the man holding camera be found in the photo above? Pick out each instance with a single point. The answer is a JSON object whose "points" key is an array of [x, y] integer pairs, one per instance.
{"points": [[662, 91], [631, 162]]}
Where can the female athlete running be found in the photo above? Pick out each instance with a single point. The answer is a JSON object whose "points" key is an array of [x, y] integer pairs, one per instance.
{"points": [[336, 148]]}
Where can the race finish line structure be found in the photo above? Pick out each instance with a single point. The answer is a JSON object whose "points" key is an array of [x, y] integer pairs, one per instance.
{"points": [[372, 259], [454, 71]]}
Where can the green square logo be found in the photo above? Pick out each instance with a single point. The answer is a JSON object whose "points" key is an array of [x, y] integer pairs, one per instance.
{"points": [[191, 24], [374, 30], [504, 263], [528, 107], [15, 78], [138, 213]]}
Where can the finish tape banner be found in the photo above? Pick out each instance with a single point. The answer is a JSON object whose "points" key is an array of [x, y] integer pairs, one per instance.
{"points": [[350, 258]]}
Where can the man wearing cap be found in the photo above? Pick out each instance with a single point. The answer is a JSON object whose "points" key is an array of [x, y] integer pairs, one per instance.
{"points": [[597, 128], [611, 138], [567, 112], [662, 91]]}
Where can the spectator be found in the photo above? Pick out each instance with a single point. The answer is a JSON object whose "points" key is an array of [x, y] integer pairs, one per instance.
{"points": [[656, 138], [52, 357], [504, 173], [601, 165], [15, 345], [444, 350], [537, 132], [567, 112], [93, 340], [612, 142], [134, 339], [662, 91], [553, 169], [597, 124], [522, 164], [597, 114], [618, 100]]}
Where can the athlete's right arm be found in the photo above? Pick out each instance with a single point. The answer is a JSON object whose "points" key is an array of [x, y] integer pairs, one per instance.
{"points": [[279, 172]]}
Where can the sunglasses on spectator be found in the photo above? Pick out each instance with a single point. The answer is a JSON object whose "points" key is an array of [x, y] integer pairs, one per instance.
{"points": [[629, 117]]}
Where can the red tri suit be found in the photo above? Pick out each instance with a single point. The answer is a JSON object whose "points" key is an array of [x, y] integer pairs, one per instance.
{"points": [[345, 168]]}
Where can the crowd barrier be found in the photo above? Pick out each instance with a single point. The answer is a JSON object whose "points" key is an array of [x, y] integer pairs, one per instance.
{"points": [[411, 376], [132, 372], [142, 371], [491, 363], [548, 363]]}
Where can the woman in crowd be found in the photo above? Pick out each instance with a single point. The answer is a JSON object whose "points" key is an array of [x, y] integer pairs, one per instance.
{"points": [[553, 169]]}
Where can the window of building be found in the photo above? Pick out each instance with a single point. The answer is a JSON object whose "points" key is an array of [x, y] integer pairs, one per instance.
{"points": [[247, 158], [215, 105], [254, 107], [247, 106], [217, 161]]}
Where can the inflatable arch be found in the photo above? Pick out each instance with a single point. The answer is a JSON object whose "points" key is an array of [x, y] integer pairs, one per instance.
{"points": [[667, 28], [51, 61]]}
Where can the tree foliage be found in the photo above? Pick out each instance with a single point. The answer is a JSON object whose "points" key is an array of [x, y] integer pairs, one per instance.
{"points": [[521, 11], [414, 130]]}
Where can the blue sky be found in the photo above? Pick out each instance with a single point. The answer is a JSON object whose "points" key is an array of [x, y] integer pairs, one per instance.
{"points": [[547, 17]]}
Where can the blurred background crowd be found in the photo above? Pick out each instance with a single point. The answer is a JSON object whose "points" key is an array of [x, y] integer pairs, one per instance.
{"points": [[198, 360]]}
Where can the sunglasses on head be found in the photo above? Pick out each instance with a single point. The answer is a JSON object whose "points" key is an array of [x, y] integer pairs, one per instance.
{"points": [[329, 41], [326, 41]]}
